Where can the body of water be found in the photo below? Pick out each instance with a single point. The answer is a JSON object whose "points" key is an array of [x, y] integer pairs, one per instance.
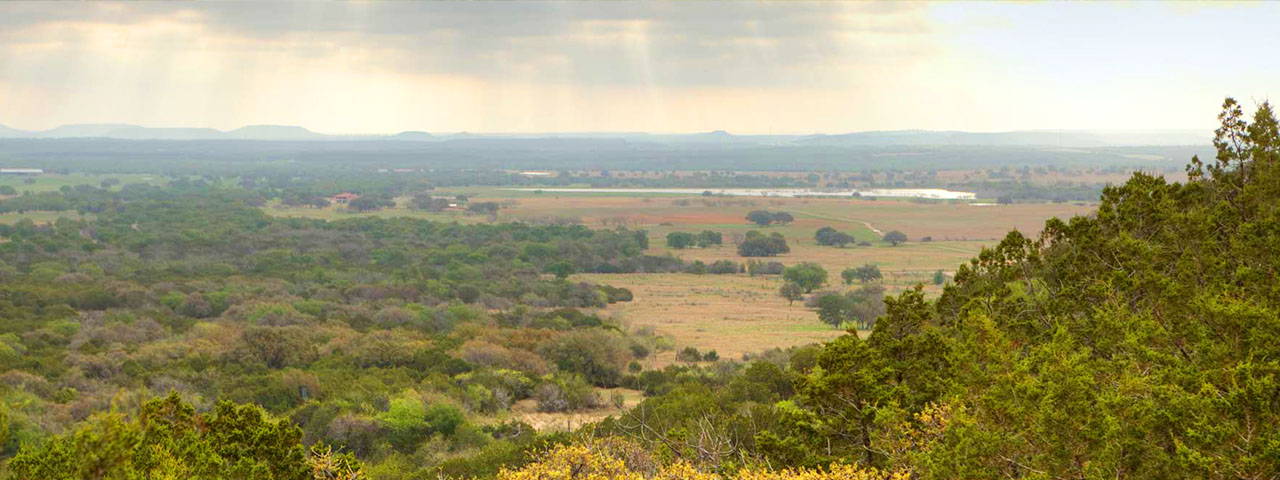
{"points": [[934, 193]]}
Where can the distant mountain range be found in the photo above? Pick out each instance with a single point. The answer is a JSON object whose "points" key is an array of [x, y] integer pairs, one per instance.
{"points": [[1065, 138], [1043, 138], [251, 132]]}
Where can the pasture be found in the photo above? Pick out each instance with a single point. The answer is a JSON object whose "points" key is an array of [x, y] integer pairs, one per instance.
{"points": [[51, 181], [738, 314]]}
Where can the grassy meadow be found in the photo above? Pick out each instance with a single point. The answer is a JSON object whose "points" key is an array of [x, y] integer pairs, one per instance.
{"points": [[739, 314], [732, 314]]}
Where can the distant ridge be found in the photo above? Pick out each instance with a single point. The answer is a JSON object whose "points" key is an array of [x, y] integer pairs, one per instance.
{"points": [[84, 130], [1036, 138], [6, 132], [1065, 138], [412, 136], [134, 132], [273, 132]]}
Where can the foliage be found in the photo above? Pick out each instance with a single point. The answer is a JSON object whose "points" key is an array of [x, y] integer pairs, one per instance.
{"points": [[807, 275], [1139, 342], [895, 237], [613, 459], [757, 244], [866, 273], [765, 218], [168, 439], [380, 337], [831, 237], [791, 291], [680, 240]]}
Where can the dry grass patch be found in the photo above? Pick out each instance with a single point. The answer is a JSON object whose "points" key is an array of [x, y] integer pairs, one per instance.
{"points": [[527, 411], [731, 314]]}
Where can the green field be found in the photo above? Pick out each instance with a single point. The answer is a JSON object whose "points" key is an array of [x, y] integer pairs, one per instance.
{"points": [[53, 182]]}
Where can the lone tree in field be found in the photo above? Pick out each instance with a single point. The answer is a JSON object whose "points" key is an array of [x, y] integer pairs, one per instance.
{"points": [[765, 218], [760, 245], [864, 274], [680, 240], [835, 309], [807, 275], [895, 237], [830, 237], [760, 217], [791, 292], [707, 238]]}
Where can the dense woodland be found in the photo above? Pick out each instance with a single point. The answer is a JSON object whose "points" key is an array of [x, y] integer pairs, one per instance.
{"points": [[1138, 342]]}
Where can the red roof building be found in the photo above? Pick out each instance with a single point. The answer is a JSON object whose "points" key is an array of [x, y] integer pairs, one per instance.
{"points": [[343, 198]]}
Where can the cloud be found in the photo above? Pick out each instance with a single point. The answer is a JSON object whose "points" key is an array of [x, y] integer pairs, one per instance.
{"points": [[586, 43], [658, 66]]}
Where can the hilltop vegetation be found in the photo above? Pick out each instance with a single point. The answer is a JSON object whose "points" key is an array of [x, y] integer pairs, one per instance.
{"points": [[1140, 342], [376, 336]]}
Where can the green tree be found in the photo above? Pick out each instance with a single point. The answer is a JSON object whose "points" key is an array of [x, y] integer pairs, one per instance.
{"points": [[168, 439], [561, 269], [865, 273], [791, 292], [807, 275], [760, 245], [895, 237], [483, 208], [760, 217], [370, 203], [822, 235], [707, 238], [849, 275], [680, 240], [835, 309]]}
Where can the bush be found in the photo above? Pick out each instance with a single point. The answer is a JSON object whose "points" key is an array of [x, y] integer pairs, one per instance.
{"points": [[756, 267], [680, 240], [616, 294], [764, 217], [689, 354], [707, 238], [865, 273], [723, 267], [597, 355], [168, 439], [760, 245], [565, 392], [830, 237]]}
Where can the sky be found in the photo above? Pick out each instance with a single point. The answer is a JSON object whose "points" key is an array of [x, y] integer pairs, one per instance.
{"points": [[743, 67]]}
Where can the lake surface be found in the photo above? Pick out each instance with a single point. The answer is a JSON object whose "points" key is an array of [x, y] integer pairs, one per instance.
{"points": [[935, 193]]}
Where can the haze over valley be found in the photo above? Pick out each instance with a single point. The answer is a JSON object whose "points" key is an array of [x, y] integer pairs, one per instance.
{"points": [[639, 240]]}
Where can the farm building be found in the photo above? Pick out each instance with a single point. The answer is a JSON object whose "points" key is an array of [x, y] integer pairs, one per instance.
{"points": [[343, 198]]}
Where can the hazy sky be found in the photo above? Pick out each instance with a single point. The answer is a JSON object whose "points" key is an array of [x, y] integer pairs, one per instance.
{"points": [[745, 67]]}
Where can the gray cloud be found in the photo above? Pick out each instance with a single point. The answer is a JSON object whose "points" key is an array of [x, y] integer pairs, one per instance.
{"points": [[584, 43]]}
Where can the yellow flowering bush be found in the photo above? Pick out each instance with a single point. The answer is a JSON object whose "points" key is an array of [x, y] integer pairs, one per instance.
{"points": [[604, 460]]}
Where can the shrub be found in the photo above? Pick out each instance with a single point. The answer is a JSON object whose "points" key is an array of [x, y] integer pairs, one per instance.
{"points": [[168, 439], [723, 267], [565, 392], [680, 240], [759, 245]]}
